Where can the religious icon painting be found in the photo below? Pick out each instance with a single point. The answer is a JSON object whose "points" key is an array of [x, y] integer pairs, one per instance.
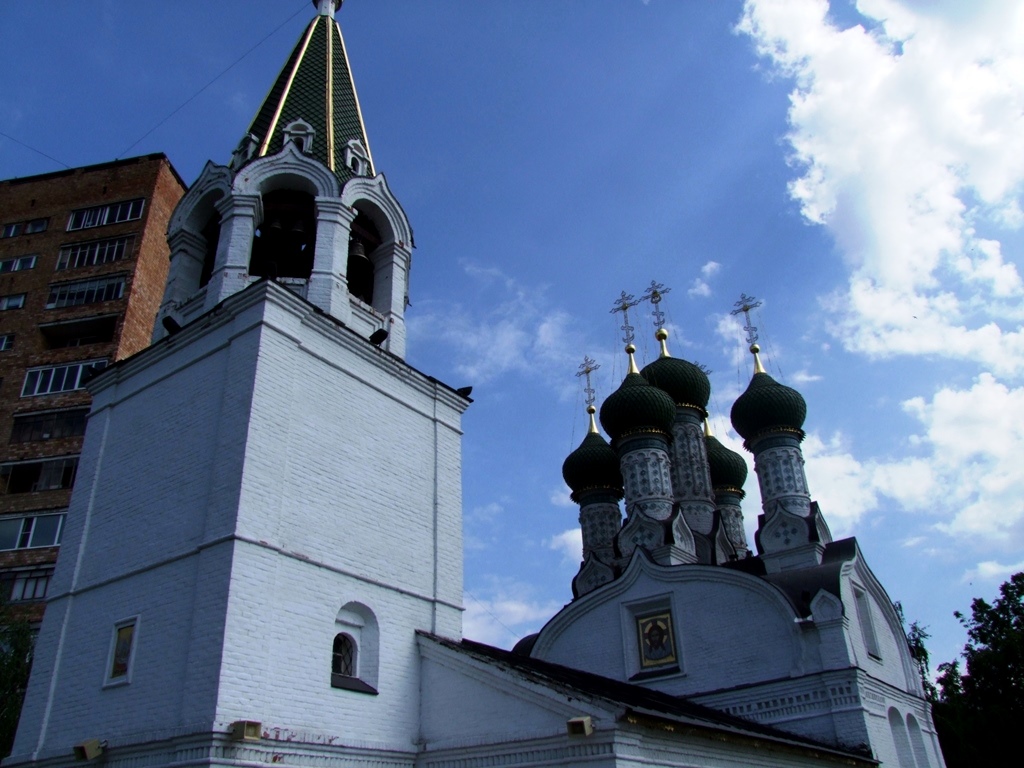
{"points": [[656, 640]]}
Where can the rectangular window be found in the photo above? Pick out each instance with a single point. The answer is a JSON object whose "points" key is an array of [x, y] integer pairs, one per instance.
{"points": [[80, 331], [85, 292], [122, 651], [31, 427], [42, 475], [30, 532], [18, 264], [6, 342], [95, 253], [13, 301], [24, 227], [59, 378], [24, 585], [114, 213]]}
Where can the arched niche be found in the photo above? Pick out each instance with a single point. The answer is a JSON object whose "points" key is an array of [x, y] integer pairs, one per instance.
{"points": [[380, 221], [356, 640], [284, 241], [193, 235]]}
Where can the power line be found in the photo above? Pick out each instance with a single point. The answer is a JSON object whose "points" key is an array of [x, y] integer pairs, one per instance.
{"points": [[195, 95], [37, 151]]}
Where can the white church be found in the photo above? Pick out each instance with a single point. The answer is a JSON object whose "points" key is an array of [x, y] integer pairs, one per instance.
{"points": [[262, 563]]}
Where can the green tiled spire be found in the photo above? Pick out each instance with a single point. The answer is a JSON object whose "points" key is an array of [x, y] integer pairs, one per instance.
{"points": [[315, 86]]}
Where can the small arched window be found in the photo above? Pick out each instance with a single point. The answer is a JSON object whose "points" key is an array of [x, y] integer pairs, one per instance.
{"points": [[344, 659], [354, 654]]}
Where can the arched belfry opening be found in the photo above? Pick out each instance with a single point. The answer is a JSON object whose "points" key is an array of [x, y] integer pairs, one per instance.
{"points": [[283, 243], [364, 240], [211, 234]]}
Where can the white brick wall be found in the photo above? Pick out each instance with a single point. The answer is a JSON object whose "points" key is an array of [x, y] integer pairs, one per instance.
{"points": [[239, 483]]}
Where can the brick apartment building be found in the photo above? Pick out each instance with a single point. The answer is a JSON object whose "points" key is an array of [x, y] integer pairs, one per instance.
{"points": [[83, 260]]}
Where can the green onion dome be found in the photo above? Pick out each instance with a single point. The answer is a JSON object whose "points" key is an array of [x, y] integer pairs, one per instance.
{"points": [[593, 466], [728, 469], [637, 407], [684, 382], [767, 406]]}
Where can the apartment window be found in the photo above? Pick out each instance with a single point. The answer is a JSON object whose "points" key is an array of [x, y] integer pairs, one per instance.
{"points": [[31, 532], [100, 215], [6, 342], [85, 292], [122, 652], [18, 264], [95, 253], [26, 584], [32, 427], [24, 227], [12, 301], [59, 378], [40, 475], [80, 331]]}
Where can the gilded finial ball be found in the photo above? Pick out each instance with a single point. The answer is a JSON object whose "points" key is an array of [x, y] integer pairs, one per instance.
{"points": [[591, 410], [630, 349], [661, 334], [755, 348]]}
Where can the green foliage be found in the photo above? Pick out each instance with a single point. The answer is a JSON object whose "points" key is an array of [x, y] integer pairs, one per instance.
{"points": [[916, 636], [978, 709], [16, 641]]}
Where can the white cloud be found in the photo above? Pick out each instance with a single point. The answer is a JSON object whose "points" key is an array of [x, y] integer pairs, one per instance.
{"points": [[570, 544], [504, 612], [908, 140], [838, 482], [699, 286], [805, 377], [710, 268], [560, 497], [990, 570]]}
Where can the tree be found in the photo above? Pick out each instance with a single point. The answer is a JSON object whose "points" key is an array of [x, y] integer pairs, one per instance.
{"points": [[16, 641], [978, 709], [916, 635]]}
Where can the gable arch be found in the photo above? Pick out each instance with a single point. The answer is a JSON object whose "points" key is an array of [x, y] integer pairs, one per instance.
{"points": [[288, 169], [374, 198], [199, 203]]}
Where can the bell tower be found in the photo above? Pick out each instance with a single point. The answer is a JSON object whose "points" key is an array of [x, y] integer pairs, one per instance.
{"points": [[300, 202], [268, 505]]}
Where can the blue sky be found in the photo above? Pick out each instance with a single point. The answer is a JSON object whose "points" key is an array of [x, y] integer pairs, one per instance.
{"points": [[857, 167]]}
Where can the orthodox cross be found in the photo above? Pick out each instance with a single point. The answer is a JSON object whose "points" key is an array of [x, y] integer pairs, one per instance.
{"points": [[623, 304], [654, 293], [744, 305], [587, 367]]}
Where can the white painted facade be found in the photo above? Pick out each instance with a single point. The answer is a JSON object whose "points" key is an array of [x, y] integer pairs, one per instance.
{"points": [[238, 490]]}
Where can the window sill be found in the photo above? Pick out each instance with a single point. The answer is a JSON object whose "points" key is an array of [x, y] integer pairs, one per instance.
{"points": [[352, 684]]}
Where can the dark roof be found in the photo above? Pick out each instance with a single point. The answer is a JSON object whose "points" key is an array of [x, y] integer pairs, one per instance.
{"points": [[320, 50], [636, 699], [800, 585]]}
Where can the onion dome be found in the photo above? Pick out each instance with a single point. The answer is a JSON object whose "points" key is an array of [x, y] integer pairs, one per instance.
{"points": [[684, 382], [636, 406], [767, 406], [593, 466], [728, 469]]}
